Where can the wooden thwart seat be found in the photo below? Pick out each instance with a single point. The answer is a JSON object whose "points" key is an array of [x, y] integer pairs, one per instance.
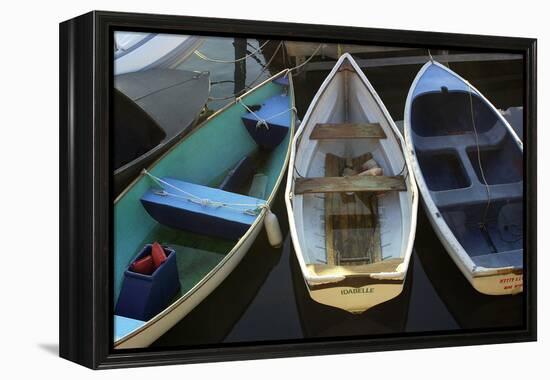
{"points": [[349, 184], [326, 131], [389, 265]]}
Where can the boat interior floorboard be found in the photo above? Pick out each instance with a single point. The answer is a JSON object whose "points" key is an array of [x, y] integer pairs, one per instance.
{"points": [[352, 233]]}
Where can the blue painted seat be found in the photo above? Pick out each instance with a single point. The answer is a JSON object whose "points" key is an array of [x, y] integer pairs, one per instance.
{"points": [[239, 175], [124, 326], [275, 111], [198, 209]]}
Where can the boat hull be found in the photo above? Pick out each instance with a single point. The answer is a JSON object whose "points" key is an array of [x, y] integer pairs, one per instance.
{"points": [[508, 282], [351, 258], [145, 51], [153, 97], [133, 223], [356, 300], [495, 280], [161, 324]]}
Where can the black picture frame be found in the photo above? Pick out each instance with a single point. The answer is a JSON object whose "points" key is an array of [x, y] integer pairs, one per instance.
{"points": [[85, 201]]}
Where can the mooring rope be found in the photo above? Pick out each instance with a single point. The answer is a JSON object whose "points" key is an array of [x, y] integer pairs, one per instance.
{"points": [[250, 85], [307, 60], [482, 172], [430, 55], [204, 57], [266, 66], [263, 121], [203, 201], [153, 92]]}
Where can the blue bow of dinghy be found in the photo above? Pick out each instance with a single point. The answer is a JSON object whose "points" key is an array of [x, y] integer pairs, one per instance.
{"points": [[202, 209], [269, 124], [435, 78], [282, 80]]}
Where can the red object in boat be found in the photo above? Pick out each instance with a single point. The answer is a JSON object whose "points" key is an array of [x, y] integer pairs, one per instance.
{"points": [[159, 256], [144, 265]]}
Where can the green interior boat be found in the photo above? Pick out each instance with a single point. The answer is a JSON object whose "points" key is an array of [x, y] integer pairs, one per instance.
{"points": [[205, 157]]}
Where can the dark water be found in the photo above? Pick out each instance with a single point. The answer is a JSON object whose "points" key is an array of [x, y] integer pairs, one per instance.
{"points": [[265, 298]]}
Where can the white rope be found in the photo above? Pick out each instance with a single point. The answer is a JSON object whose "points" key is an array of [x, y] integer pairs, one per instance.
{"points": [[430, 54], [307, 60], [487, 189], [203, 201], [250, 85], [266, 66], [204, 57], [261, 121]]}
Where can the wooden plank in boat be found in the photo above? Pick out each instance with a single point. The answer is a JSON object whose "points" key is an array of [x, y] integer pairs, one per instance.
{"points": [[352, 234], [323, 131], [388, 265], [371, 201], [349, 184], [332, 167]]}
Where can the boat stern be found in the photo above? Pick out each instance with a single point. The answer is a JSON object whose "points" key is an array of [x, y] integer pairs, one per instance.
{"points": [[503, 284], [351, 296]]}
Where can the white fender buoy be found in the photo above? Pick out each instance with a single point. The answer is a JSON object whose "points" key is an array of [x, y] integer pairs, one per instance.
{"points": [[273, 230]]}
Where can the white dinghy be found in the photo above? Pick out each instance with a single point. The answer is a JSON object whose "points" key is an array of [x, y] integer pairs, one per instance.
{"points": [[136, 51], [350, 195], [468, 163]]}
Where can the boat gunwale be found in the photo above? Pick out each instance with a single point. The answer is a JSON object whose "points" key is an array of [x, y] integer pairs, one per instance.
{"points": [[400, 274], [459, 255], [170, 59], [174, 305]]}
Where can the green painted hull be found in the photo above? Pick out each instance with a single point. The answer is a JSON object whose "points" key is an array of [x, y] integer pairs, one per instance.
{"points": [[203, 157]]}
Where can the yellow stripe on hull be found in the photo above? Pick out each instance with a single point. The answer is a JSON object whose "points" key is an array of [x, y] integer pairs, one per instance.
{"points": [[356, 300]]}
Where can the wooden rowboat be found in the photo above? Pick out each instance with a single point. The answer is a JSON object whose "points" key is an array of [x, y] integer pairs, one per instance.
{"points": [[353, 234], [205, 199], [468, 164]]}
